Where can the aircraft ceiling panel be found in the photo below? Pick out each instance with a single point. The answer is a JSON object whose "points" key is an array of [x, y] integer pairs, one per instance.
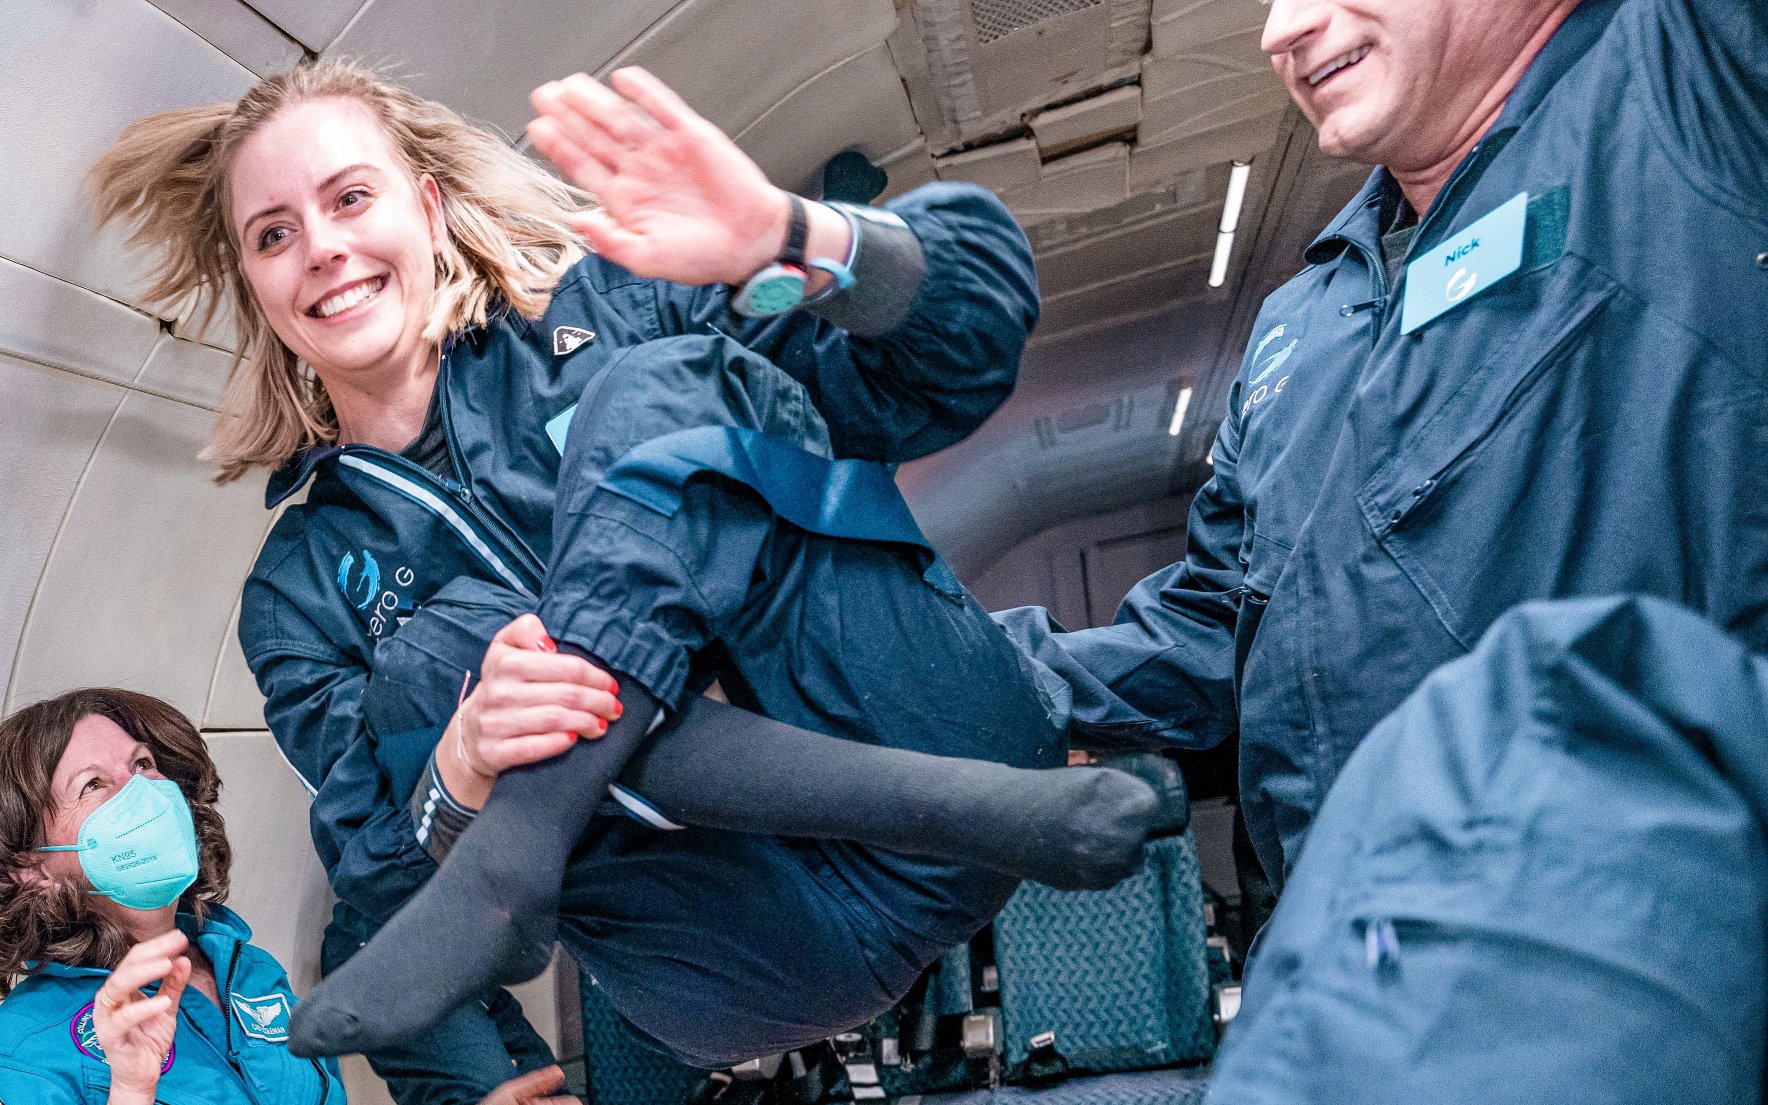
{"points": [[1002, 166], [733, 60], [317, 23], [277, 883], [1240, 139], [1070, 185], [187, 371], [133, 59], [188, 323], [1175, 279], [50, 424], [1181, 25], [859, 104], [909, 167], [62, 324], [1136, 246], [237, 31], [483, 59], [143, 579]]}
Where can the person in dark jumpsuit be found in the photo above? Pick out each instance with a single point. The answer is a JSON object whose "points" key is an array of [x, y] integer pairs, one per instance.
{"points": [[702, 527], [1541, 877], [1424, 433]]}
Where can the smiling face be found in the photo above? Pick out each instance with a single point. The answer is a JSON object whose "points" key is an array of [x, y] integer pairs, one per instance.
{"points": [[336, 241], [100, 758], [1405, 83]]}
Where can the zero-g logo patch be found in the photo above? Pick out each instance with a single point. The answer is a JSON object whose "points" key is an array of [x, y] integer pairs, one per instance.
{"points": [[369, 581], [1260, 385], [362, 588], [265, 1018], [85, 1036]]}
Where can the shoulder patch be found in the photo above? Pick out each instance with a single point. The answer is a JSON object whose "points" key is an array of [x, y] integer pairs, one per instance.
{"points": [[85, 1036]]}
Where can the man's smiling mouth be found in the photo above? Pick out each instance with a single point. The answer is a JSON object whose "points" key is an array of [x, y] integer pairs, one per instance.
{"points": [[1341, 62]]}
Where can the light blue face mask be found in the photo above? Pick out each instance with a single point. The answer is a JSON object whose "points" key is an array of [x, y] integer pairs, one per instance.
{"points": [[139, 849]]}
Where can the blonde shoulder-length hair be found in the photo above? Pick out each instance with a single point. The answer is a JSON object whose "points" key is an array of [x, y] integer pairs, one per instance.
{"points": [[508, 239]]}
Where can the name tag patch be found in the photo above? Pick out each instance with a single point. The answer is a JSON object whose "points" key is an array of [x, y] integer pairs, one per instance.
{"points": [[1465, 265], [265, 1018]]}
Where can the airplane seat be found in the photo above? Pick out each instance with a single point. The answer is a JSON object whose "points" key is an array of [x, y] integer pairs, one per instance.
{"points": [[621, 1070], [1069, 998]]}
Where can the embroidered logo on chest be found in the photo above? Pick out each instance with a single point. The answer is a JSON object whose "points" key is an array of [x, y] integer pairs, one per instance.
{"points": [[361, 582], [265, 1018], [1265, 379]]}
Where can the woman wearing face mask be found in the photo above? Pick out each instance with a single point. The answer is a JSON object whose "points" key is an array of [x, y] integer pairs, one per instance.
{"points": [[126, 981]]}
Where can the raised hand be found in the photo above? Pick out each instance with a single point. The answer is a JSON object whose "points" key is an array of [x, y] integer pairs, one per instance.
{"points": [[135, 1030], [679, 200]]}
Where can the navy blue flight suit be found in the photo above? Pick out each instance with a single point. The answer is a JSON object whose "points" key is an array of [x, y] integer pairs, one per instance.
{"points": [[1544, 878], [1593, 424], [526, 415]]}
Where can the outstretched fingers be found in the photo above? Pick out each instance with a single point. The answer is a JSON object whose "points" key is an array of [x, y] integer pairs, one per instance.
{"points": [[578, 164], [658, 100]]}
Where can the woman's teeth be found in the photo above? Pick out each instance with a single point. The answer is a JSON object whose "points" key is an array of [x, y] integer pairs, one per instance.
{"points": [[1336, 64], [349, 298]]}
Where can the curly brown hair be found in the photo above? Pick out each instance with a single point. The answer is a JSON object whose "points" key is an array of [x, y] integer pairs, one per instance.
{"points": [[52, 920]]}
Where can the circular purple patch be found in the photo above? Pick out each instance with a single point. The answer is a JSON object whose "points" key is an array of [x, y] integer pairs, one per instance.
{"points": [[85, 1037]]}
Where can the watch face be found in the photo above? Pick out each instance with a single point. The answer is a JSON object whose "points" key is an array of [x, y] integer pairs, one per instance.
{"points": [[776, 293]]}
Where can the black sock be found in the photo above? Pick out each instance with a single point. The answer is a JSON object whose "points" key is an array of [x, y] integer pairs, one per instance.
{"points": [[720, 767], [490, 913]]}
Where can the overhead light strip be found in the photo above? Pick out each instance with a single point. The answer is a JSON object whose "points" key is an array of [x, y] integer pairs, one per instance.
{"points": [[1179, 409], [1236, 198]]}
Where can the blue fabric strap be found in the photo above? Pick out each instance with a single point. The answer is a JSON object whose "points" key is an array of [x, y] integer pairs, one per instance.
{"points": [[854, 500]]}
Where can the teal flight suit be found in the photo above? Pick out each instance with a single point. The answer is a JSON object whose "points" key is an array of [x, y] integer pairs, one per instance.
{"points": [[234, 1055]]}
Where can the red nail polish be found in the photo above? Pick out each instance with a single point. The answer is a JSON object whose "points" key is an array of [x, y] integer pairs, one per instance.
{"points": [[604, 726], [614, 688], [618, 710], [547, 645]]}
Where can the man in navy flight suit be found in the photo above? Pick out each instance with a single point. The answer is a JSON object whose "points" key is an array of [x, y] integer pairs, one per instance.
{"points": [[1526, 362]]}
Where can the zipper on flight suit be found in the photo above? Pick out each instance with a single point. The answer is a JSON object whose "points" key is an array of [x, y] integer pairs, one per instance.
{"points": [[227, 1016], [422, 486], [460, 488]]}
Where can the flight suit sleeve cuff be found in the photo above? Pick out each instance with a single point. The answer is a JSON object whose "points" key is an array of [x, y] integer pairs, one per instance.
{"points": [[888, 266], [438, 816]]}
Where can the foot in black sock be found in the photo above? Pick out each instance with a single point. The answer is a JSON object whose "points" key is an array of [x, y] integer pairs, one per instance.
{"points": [[488, 916], [1097, 824], [493, 939], [720, 767]]}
